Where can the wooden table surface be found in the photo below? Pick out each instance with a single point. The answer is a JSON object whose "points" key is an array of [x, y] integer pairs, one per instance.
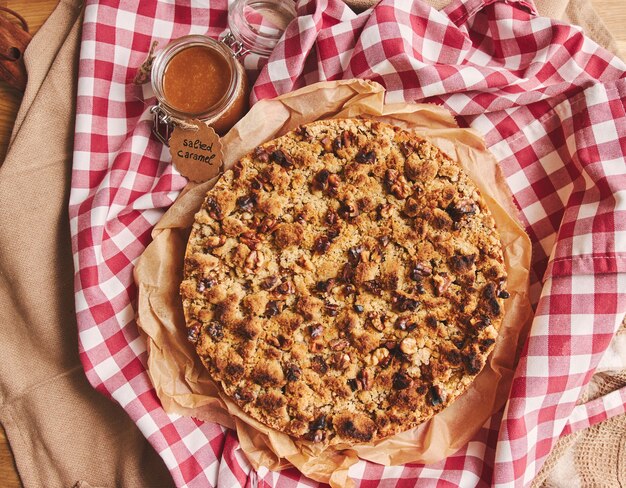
{"points": [[612, 12]]}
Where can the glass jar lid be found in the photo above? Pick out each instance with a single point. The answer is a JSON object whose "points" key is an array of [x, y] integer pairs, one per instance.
{"points": [[256, 26]]}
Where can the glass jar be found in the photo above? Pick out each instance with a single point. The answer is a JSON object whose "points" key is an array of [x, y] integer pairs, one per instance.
{"points": [[197, 77]]}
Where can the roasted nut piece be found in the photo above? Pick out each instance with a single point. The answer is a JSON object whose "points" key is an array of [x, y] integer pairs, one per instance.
{"points": [[402, 381], [321, 245], [331, 309], [348, 210], [365, 156], [253, 262], [327, 144], [404, 303], [267, 225], [379, 355], [401, 188], [461, 208], [365, 379], [421, 270], [411, 207], [320, 181], [333, 184], [261, 154], [214, 208], [272, 309], [340, 360], [383, 211], [215, 241], [250, 239], [292, 372], [282, 158], [205, 284], [215, 330], [442, 282], [376, 320], [285, 288], [331, 217], [316, 330], [193, 333], [247, 202], [268, 283], [408, 345], [338, 344]]}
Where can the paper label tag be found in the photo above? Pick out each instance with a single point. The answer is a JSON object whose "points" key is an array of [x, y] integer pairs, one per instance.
{"points": [[196, 154]]}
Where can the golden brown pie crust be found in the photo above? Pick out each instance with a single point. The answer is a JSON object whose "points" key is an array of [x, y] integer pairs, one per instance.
{"points": [[344, 282]]}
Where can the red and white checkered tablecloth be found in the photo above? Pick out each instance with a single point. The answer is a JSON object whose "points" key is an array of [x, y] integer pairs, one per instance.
{"points": [[551, 105]]}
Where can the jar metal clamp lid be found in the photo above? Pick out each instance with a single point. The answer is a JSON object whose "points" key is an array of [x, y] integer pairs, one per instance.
{"points": [[254, 29]]}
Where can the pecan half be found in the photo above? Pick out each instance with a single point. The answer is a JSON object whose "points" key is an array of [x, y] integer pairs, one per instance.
{"points": [[292, 372], [434, 396], [267, 225], [408, 345], [285, 288], [316, 330], [261, 154], [365, 156], [253, 261], [320, 180], [380, 356], [215, 330], [442, 283], [332, 309], [365, 379], [461, 208], [193, 333], [246, 202], [348, 210], [338, 344], [340, 360], [268, 282], [215, 241], [205, 284], [250, 239], [421, 270], [376, 321], [402, 381], [214, 209], [282, 159]]}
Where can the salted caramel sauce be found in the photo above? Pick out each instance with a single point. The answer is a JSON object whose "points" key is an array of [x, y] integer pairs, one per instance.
{"points": [[195, 79]]}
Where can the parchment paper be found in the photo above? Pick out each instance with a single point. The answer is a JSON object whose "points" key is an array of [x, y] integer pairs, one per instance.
{"points": [[184, 386]]}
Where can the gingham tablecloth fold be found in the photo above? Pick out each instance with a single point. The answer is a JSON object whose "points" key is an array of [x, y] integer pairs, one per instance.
{"points": [[550, 103]]}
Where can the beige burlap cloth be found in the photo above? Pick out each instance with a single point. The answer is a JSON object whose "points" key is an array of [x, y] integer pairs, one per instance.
{"points": [[62, 432]]}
